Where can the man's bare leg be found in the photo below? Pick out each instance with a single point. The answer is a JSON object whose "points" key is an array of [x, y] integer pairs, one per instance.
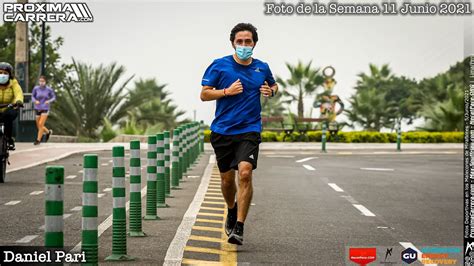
{"points": [[244, 196], [228, 187]]}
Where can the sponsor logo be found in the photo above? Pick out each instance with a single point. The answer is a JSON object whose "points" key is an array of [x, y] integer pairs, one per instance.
{"points": [[46, 12], [362, 256], [251, 156], [409, 255]]}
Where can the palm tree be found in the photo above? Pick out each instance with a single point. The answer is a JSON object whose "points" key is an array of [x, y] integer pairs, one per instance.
{"points": [[87, 97], [303, 81], [369, 105], [155, 106], [447, 115]]}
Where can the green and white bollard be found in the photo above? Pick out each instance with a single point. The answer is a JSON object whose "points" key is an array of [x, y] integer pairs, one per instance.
{"points": [[185, 150], [160, 171], [151, 180], [167, 165], [399, 138], [181, 149], [54, 207], [135, 214], [323, 138], [90, 187], [175, 161], [119, 216], [201, 132]]}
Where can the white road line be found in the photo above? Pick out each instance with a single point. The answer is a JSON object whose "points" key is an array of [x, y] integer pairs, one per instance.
{"points": [[193, 176], [36, 192], [26, 239], [110, 161], [309, 167], [13, 202], [420, 254], [104, 164], [363, 209], [71, 176], [306, 159], [350, 199], [100, 195], [80, 171], [174, 254], [106, 223], [335, 187], [280, 156], [66, 215], [77, 208], [377, 169], [107, 189], [41, 227]]}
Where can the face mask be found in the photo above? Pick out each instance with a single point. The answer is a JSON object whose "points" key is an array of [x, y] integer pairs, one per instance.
{"points": [[4, 78], [243, 52]]}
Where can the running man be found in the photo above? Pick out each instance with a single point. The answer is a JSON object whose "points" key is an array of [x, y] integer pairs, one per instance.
{"points": [[236, 81]]}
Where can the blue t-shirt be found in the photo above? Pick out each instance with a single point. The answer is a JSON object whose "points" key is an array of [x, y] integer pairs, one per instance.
{"points": [[239, 113]]}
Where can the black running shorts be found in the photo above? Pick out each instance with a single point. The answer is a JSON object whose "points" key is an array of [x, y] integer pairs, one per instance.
{"points": [[230, 150]]}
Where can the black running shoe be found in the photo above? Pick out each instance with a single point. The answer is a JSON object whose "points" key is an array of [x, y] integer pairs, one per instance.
{"points": [[50, 132], [231, 219], [237, 235], [11, 144]]}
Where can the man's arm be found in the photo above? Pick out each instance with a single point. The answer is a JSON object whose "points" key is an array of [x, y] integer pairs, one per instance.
{"points": [[209, 93]]}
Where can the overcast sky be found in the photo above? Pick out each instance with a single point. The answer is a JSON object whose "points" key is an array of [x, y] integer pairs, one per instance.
{"points": [[175, 41]]}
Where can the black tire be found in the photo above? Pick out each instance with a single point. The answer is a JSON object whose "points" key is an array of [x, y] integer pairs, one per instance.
{"points": [[3, 170], [3, 158]]}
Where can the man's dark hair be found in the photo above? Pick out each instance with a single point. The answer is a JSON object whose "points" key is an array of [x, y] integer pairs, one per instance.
{"points": [[244, 27]]}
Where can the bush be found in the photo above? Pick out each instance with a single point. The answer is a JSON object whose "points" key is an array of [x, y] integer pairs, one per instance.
{"points": [[361, 137]]}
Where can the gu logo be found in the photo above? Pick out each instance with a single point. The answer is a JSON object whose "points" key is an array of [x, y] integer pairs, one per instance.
{"points": [[409, 255]]}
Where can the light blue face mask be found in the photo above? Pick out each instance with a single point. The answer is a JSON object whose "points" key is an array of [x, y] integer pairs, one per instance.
{"points": [[4, 78], [243, 52]]}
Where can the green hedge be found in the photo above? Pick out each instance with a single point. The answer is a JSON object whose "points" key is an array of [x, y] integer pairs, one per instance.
{"points": [[361, 137]]}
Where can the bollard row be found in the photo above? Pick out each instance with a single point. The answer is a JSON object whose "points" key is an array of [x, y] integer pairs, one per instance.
{"points": [[168, 161]]}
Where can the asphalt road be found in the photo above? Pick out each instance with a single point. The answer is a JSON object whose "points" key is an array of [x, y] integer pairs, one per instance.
{"points": [[304, 212]]}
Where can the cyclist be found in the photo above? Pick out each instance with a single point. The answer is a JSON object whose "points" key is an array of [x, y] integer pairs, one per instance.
{"points": [[10, 93], [42, 96]]}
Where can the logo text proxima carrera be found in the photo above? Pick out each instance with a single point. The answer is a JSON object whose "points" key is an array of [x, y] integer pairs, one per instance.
{"points": [[47, 12]]}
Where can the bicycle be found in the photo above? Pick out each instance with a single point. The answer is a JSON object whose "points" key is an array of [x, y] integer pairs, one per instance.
{"points": [[4, 154]]}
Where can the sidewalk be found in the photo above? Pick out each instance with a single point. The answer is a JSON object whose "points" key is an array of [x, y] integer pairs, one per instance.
{"points": [[26, 155]]}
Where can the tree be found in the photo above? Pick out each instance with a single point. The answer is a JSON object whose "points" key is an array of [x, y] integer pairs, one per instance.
{"points": [[87, 97], [304, 80], [55, 71], [149, 104]]}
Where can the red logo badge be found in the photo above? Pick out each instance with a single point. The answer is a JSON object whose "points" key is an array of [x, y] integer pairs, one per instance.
{"points": [[362, 256]]}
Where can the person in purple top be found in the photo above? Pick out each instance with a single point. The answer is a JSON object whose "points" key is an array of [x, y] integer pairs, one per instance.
{"points": [[42, 97]]}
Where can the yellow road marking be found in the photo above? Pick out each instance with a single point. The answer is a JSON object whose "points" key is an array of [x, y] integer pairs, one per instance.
{"points": [[200, 262], [215, 186], [211, 214], [209, 221], [205, 238], [212, 208], [203, 250], [219, 198], [214, 202], [207, 228], [213, 189], [214, 193]]}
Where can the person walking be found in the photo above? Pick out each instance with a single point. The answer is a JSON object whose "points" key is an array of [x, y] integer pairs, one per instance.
{"points": [[42, 97], [236, 82]]}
